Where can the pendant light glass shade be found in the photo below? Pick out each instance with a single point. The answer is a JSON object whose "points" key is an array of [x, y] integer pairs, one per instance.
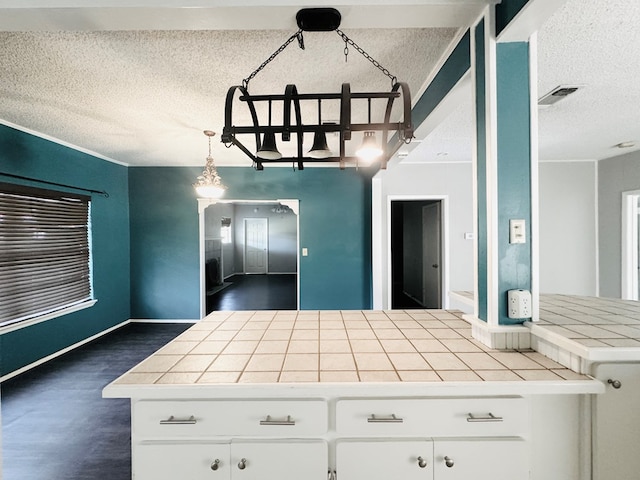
{"points": [[320, 149], [268, 149], [209, 184], [369, 150]]}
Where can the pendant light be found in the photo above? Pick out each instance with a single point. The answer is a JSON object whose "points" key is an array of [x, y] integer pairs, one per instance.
{"points": [[369, 150], [268, 150], [209, 184], [320, 150]]}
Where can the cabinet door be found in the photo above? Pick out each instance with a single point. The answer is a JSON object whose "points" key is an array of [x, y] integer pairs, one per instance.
{"points": [[279, 460], [616, 423], [384, 460], [480, 458], [181, 461]]}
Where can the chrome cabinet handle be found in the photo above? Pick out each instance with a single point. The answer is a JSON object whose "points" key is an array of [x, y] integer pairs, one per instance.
{"points": [[269, 421], [242, 464], [215, 464], [390, 419], [422, 462], [448, 462], [490, 417], [614, 383], [179, 421]]}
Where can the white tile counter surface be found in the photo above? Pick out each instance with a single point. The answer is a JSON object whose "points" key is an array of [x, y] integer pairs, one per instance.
{"points": [[355, 347]]}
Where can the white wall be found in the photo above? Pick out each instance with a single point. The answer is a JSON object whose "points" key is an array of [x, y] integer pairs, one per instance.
{"points": [[568, 223], [453, 183], [568, 247]]}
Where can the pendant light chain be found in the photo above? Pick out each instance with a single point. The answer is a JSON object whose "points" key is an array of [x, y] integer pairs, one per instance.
{"points": [[300, 38], [297, 35], [360, 50]]}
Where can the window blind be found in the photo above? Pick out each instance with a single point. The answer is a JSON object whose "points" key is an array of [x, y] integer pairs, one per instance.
{"points": [[44, 252]]}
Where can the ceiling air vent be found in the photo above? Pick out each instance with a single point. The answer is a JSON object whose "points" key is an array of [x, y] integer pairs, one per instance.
{"points": [[557, 94]]}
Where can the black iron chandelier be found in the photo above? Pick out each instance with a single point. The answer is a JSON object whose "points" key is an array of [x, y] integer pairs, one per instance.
{"points": [[292, 124]]}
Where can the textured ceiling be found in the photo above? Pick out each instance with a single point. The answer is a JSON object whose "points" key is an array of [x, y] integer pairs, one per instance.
{"points": [[587, 43], [143, 96]]}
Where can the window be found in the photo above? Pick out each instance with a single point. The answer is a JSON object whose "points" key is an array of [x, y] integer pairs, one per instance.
{"points": [[44, 252], [225, 230]]}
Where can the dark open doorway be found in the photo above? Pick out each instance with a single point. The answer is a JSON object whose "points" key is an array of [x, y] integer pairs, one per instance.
{"points": [[416, 254]]}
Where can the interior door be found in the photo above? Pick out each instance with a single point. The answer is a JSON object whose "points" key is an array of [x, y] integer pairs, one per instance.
{"points": [[256, 232], [432, 256]]}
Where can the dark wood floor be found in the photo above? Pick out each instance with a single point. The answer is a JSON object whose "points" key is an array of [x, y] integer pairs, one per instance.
{"points": [[256, 292], [56, 425]]}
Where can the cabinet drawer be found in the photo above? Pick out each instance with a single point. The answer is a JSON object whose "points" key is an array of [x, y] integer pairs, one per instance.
{"points": [[208, 418], [433, 417]]}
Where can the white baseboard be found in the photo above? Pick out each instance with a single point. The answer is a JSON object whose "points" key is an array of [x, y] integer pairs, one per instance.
{"points": [[162, 320], [61, 352], [87, 340]]}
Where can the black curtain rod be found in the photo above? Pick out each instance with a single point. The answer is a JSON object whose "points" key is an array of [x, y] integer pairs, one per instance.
{"points": [[100, 192]]}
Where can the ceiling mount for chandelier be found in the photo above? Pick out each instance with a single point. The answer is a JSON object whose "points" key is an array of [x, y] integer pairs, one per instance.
{"points": [[266, 151]]}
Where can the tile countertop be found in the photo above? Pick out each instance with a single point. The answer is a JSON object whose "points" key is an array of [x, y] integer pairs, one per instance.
{"points": [[416, 348], [594, 328]]}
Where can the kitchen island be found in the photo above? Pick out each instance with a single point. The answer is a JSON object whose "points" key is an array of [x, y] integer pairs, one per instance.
{"points": [[360, 394]]}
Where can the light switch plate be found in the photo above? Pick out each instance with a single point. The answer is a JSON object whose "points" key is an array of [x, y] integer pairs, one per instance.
{"points": [[305, 252], [517, 231]]}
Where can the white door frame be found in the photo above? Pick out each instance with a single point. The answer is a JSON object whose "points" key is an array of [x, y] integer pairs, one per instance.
{"points": [[629, 265], [203, 203], [444, 219]]}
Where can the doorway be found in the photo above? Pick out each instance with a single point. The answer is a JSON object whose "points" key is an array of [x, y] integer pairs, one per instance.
{"points": [[417, 268], [256, 234], [249, 255], [631, 245]]}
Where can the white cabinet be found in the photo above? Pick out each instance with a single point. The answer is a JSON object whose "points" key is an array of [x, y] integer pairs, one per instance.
{"points": [[495, 459], [433, 438], [384, 460], [244, 460], [359, 438], [616, 422], [174, 461]]}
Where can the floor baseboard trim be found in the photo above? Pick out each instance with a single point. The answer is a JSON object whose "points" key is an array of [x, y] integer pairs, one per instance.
{"points": [[37, 363], [163, 320]]}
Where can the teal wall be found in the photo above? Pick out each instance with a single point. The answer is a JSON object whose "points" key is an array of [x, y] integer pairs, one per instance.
{"points": [[506, 11], [335, 226], [514, 169], [26, 155]]}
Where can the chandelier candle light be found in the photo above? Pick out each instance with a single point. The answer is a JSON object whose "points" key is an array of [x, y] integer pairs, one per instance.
{"points": [[209, 184], [266, 151]]}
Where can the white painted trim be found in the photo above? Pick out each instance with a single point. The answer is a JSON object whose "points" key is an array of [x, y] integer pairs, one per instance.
{"points": [[61, 142], [535, 178], [492, 167], [444, 223], [474, 170], [43, 318], [61, 352], [629, 266], [596, 216], [203, 203], [162, 320], [380, 296]]}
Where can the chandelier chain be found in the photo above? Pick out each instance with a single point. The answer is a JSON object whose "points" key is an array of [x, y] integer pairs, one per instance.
{"points": [[297, 35], [360, 50]]}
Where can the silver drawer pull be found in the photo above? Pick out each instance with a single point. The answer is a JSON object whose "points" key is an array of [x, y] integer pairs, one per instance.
{"points": [[389, 419], [269, 421], [179, 421], [490, 417]]}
